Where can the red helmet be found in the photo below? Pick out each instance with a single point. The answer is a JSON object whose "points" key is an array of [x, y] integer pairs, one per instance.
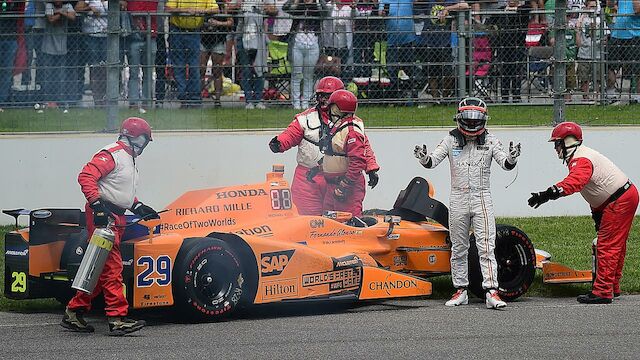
{"points": [[565, 129], [345, 100], [134, 126], [329, 84]]}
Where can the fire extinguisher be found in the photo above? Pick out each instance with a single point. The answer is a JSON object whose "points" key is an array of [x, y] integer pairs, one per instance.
{"points": [[94, 259]]}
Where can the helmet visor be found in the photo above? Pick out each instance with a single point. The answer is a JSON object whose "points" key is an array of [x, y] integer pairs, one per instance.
{"points": [[472, 120], [138, 143], [323, 99]]}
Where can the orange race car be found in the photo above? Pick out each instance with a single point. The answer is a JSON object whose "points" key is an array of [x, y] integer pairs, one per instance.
{"points": [[216, 249]]}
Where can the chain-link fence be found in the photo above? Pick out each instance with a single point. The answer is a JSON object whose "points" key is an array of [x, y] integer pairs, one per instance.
{"points": [[207, 64]]}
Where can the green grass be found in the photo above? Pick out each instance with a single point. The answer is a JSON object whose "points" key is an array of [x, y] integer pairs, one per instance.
{"points": [[568, 239], [27, 120]]}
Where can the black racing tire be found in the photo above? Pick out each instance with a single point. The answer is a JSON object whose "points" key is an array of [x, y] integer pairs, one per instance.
{"points": [[516, 260], [208, 280]]}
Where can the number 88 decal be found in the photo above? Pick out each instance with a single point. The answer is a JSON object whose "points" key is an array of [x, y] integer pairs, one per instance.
{"points": [[280, 199]]}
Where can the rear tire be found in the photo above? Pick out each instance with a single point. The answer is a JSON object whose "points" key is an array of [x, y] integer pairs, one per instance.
{"points": [[516, 260], [209, 281]]}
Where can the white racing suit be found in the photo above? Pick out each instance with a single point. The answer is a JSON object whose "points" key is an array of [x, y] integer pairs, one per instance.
{"points": [[470, 201]]}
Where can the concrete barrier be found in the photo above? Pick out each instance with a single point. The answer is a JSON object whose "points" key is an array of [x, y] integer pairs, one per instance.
{"points": [[41, 170]]}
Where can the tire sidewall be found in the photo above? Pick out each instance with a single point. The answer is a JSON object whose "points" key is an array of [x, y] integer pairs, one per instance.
{"points": [[199, 253], [505, 236]]}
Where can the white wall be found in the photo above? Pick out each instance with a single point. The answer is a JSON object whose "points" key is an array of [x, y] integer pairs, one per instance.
{"points": [[41, 170]]}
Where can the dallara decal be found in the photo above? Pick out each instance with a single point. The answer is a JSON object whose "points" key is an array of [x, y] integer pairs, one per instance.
{"points": [[273, 263]]}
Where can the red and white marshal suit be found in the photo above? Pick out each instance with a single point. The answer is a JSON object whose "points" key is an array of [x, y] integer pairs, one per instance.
{"points": [[111, 176], [347, 157], [612, 196], [305, 131]]}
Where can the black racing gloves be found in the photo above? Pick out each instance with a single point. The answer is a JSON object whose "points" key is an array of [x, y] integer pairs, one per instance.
{"points": [[343, 190], [274, 145], [539, 198], [100, 214], [373, 178], [145, 212]]}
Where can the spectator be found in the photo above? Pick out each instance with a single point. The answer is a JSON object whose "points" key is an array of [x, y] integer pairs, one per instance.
{"points": [[303, 46], [138, 48], [278, 25], [214, 41], [8, 48], [54, 51], [589, 42], [400, 37], [365, 33], [624, 47], [571, 55], [161, 56], [434, 45], [184, 39], [510, 29], [337, 34], [95, 29], [252, 52], [33, 38]]}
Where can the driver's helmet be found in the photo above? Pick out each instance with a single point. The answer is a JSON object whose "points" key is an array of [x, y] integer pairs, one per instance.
{"points": [[472, 116]]}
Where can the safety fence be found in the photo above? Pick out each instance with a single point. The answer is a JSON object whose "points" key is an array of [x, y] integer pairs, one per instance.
{"points": [[408, 62]]}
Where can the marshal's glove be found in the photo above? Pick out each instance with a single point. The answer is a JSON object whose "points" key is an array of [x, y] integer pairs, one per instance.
{"points": [[343, 188], [373, 178], [100, 214], [274, 145], [539, 198], [145, 212], [422, 154], [514, 152]]}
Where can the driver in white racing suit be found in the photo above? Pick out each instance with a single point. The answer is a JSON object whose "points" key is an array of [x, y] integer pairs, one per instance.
{"points": [[471, 148]]}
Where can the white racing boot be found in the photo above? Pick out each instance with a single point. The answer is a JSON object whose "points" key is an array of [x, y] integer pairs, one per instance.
{"points": [[459, 298], [494, 301]]}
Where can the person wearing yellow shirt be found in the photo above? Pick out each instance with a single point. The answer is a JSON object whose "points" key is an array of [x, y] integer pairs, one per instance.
{"points": [[185, 25]]}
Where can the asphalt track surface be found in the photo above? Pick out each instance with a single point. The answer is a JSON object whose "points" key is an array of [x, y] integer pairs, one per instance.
{"points": [[532, 328]]}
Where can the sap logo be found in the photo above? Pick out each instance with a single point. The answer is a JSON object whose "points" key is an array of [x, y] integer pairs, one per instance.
{"points": [[240, 193], [273, 263]]}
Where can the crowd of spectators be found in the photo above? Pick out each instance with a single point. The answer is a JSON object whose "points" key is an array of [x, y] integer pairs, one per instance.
{"points": [[408, 47]]}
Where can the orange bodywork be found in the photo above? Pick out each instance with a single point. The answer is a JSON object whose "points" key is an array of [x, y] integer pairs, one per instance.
{"points": [[297, 256]]}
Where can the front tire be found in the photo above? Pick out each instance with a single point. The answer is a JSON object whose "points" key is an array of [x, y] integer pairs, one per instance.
{"points": [[516, 260], [209, 281]]}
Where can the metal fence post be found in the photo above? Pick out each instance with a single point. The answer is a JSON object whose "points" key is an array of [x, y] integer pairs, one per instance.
{"points": [[113, 64], [461, 55], [560, 64], [148, 66]]}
